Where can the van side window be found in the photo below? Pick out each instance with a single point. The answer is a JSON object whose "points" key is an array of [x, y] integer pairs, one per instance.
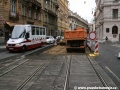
{"points": [[43, 31], [33, 30], [40, 31], [37, 30]]}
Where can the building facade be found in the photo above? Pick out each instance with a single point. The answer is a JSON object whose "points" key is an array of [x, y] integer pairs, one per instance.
{"points": [[63, 23], [107, 19], [14, 12], [50, 16], [76, 21]]}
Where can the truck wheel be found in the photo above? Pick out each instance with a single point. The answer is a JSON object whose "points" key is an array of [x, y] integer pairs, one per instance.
{"points": [[23, 48], [84, 50]]}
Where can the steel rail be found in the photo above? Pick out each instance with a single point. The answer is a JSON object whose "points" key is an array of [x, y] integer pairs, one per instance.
{"points": [[104, 83], [31, 76], [14, 67], [66, 84], [56, 78]]}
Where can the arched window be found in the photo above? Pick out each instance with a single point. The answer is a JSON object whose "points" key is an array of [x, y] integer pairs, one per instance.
{"points": [[114, 30]]}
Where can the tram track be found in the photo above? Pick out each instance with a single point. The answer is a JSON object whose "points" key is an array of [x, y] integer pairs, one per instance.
{"points": [[55, 75], [101, 78], [32, 75], [13, 67], [66, 84], [56, 71], [98, 74]]}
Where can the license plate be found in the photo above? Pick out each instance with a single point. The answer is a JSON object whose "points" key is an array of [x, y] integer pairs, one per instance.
{"points": [[11, 48]]}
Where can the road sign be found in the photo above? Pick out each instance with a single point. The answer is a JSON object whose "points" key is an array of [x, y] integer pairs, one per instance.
{"points": [[92, 35]]}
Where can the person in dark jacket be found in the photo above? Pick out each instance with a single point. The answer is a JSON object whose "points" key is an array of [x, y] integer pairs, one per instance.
{"points": [[106, 39]]}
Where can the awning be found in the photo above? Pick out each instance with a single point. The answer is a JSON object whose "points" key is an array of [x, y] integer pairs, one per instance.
{"points": [[10, 24]]}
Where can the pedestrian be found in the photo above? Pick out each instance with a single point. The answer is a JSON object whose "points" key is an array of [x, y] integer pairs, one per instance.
{"points": [[106, 39]]}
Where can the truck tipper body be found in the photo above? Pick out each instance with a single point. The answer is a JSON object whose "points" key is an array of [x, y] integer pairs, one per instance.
{"points": [[75, 39]]}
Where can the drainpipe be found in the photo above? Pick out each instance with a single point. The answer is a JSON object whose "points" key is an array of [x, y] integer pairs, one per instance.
{"points": [[3, 21]]}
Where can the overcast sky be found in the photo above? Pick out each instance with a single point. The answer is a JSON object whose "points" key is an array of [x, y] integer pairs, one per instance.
{"points": [[84, 8]]}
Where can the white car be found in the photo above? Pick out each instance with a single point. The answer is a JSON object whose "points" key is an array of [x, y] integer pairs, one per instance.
{"points": [[50, 39]]}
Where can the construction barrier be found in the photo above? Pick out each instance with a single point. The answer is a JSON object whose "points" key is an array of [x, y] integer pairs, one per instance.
{"points": [[96, 47]]}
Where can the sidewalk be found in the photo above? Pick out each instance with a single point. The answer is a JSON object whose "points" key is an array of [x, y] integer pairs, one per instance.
{"points": [[2, 47]]}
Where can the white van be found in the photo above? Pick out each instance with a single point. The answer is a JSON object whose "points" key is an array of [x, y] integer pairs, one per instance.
{"points": [[25, 37]]}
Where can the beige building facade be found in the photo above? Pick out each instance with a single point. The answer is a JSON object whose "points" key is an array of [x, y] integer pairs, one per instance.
{"points": [[63, 23], [50, 16], [76, 21], [14, 12]]}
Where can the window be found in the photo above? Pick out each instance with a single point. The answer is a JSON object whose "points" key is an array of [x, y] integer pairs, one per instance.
{"points": [[35, 15], [1, 32], [30, 12], [114, 30], [40, 31], [33, 30], [37, 30], [46, 18], [13, 7], [39, 16], [23, 10], [107, 30], [116, 0], [43, 31], [115, 13]]}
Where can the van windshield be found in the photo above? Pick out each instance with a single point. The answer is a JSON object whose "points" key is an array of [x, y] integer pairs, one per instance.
{"points": [[18, 32]]}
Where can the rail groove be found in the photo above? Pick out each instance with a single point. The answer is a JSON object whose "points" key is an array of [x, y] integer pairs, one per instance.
{"points": [[31, 76], [66, 84], [104, 83]]}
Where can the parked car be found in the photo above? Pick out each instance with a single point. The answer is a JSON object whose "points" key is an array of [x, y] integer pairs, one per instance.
{"points": [[62, 41], [50, 39]]}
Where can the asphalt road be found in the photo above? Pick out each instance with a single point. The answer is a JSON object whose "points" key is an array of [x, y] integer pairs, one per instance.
{"points": [[109, 62], [5, 55]]}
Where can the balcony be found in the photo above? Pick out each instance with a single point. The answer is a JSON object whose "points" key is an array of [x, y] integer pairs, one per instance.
{"points": [[33, 3], [13, 16], [56, 5], [30, 1], [52, 13], [101, 7], [47, 0], [111, 3]]}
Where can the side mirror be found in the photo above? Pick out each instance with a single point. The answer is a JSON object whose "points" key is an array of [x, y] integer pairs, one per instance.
{"points": [[27, 35]]}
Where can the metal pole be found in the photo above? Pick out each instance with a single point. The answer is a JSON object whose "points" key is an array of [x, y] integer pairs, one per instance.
{"points": [[61, 26], [4, 21]]}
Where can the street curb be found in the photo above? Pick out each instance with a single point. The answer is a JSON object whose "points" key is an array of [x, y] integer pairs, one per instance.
{"points": [[3, 49], [37, 50]]}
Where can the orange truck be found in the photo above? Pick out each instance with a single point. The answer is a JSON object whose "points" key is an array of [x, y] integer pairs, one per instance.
{"points": [[75, 39]]}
